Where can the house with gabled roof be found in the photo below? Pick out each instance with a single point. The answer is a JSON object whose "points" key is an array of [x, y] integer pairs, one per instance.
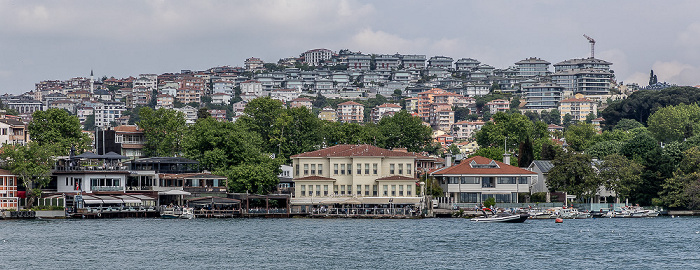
{"points": [[476, 179]]}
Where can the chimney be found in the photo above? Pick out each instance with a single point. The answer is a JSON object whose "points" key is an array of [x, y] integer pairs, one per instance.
{"points": [[448, 160], [506, 158]]}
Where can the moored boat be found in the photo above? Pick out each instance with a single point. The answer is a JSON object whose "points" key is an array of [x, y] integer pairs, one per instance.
{"points": [[503, 217]]}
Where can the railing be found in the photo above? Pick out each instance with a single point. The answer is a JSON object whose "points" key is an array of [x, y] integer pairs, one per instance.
{"points": [[89, 168], [108, 188], [386, 212], [204, 189]]}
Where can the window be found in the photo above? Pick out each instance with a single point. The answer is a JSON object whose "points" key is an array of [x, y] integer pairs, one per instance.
{"points": [[335, 169], [468, 197], [366, 190], [359, 168], [320, 169], [349, 189], [342, 190], [386, 190], [453, 180], [367, 168], [306, 169], [393, 190], [374, 190], [325, 190], [359, 190], [374, 169], [296, 172], [313, 169], [303, 190], [408, 190], [391, 169], [342, 169], [408, 169], [311, 190], [506, 180], [470, 180], [400, 190], [349, 169], [318, 190], [335, 189], [522, 180], [400, 168]]}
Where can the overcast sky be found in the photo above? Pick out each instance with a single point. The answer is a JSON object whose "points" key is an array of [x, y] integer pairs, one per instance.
{"points": [[57, 40]]}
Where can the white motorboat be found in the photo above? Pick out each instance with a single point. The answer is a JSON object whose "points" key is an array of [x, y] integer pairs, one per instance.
{"points": [[502, 217]]}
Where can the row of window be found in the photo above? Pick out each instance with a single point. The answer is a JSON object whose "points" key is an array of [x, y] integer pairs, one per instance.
{"points": [[361, 169], [477, 180], [323, 190], [476, 197]]}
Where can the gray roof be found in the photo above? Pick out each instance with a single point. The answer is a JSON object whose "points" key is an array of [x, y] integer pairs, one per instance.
{"points": [[543, 165]]}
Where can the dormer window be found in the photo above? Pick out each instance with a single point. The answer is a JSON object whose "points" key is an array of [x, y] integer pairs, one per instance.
{"points": [[491, 165]]}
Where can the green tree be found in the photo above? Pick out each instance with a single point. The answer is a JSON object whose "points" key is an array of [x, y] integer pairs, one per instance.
{"points": [[567, 120], [627, 124], [403, 130], [525, 153], [549, 151], [57, 130], [163, 130], [296, 131], [260, 117], [220, 145], [32, 164], [453, 149], [605, 148], [580, 136], [203, 113], [258, 178], [89, 122], [572, 173], [515, 103], [641, 104], [675, 123], [510, 129], [494, 153], [621, 175]]}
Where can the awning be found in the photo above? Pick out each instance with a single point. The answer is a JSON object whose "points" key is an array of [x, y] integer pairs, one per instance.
{"points": [[110, 199], [128, 199], [91, 200], [174, 192]]}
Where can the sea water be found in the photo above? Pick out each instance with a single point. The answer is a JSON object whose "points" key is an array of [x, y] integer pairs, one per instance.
{"points": [[644, 243]]}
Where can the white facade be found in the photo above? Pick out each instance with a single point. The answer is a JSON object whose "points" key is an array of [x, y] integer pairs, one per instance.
{"points": [[108, 112]]}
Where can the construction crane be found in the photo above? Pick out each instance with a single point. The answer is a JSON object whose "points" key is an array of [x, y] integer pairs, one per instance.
{"points": [[592, 42]]}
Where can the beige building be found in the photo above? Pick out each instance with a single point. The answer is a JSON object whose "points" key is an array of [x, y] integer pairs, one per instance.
{"points": [[328, 114], [357, 171], [578, 107], [351, 112]]}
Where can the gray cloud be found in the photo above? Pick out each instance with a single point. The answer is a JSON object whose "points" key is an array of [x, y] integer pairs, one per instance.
{"points": [[62, 39]]}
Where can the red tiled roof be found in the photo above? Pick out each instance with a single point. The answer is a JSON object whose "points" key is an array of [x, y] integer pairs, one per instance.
{"points": [[314, 178], [5, 172], [351, 150], [397, 177], [349, 103], [127, 128], [465, 168], [576, 100]]}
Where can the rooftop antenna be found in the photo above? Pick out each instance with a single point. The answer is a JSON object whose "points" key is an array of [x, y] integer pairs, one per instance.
{"points": [[592, 42]]}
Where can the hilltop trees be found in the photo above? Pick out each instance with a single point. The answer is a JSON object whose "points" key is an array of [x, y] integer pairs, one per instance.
{"points": [[572, 173], [641, 104], [404, 131]]}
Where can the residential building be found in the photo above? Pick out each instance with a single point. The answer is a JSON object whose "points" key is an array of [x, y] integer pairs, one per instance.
{"points": [[141, 96], [301, 102], [498, 105], [386, 109], [351, 112], [108, 112], [466, 64], [254, 64], [445, 140], [25, 106], [189, 94], [221, 86], [316, 57], [583, 63], [13, 131], [542, 96], [441, 116], [219, 115], [532, 67], [328, 114], [387, 62], [541, 168], [83, 112], [583, 81], [412, 61], [126, 140], [475, 89], [220, 98], [8, 191], [360, 172], [165, 101], [465, 130], [251, 87], [359, 62], [189, 112], [578, 108], [63, 105], [239, 107], [440, 62], [476, 179], [285, 95]]}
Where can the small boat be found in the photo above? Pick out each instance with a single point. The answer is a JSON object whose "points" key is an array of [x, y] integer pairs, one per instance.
{"points": [[502, 217], [177, 212]]}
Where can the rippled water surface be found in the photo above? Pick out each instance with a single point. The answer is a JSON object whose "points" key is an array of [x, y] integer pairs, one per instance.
{"points": [[648, 243]]}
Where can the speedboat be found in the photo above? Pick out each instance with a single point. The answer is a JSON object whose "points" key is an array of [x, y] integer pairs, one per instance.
{"points": [[502, 217]]}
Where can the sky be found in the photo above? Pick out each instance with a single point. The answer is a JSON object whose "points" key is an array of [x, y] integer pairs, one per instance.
{"points": [[58, 40]]}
